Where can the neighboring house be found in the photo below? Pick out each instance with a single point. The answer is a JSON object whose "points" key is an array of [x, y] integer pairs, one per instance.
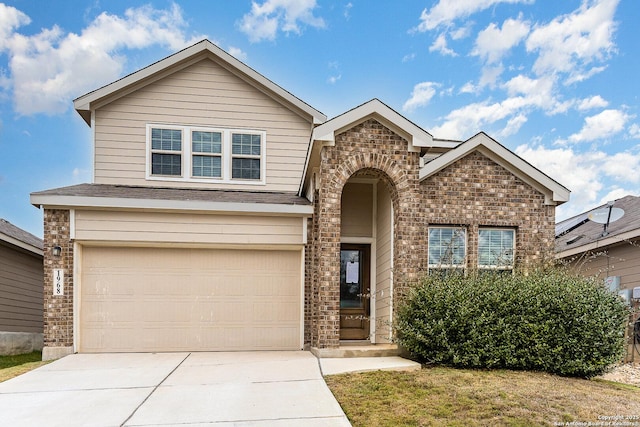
{"points": [[21, 285], [227, 214], [612, 254]]}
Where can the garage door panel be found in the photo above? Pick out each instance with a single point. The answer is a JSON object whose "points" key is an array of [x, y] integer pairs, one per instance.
{"points": [[150, 299]]}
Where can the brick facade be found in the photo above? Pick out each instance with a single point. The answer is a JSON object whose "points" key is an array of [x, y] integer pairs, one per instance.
{"points": [[473, 192], [58, 310], [372, 147], [476, 192]]}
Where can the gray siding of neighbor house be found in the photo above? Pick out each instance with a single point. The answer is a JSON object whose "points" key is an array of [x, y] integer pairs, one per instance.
{"points": [[21, 285]]}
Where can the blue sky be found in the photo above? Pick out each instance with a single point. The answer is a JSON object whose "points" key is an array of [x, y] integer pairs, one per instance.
{"points": [[555, 81]]}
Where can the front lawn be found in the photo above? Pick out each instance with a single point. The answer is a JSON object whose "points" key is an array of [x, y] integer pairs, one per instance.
{"points": [[12, 366], [441, 396]]}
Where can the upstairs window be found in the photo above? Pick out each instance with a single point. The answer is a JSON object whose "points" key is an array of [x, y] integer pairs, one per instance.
{"points": [[246, 150], [207, 154], [447, 248], [199, 154], [496, 248], [166, 152]]}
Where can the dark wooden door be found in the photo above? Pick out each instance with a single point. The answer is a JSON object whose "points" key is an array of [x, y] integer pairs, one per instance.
{"points": [[354, 291]]}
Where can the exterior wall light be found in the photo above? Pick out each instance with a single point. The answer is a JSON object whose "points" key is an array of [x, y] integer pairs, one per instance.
{"points": [[56, 251]]}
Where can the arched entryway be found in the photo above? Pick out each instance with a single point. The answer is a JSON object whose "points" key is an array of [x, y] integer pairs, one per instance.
{"points": [[365, 159]]}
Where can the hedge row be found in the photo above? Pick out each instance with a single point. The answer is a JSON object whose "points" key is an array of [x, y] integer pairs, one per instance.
{"points": [[549, 321]]}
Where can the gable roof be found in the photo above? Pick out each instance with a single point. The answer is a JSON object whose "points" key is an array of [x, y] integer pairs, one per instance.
{"points": [[579, 234], [18, 237], [88, 102], [325, 133], [384, 114], [554, 192]]}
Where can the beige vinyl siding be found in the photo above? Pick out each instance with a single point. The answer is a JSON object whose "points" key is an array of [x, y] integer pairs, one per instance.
{"points": [[620, 260], [357, 210], [384, 253], [181, 299], [192, 228], [203, 94], [21, 285]]}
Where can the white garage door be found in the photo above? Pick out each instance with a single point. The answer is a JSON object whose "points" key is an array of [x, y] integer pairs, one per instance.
{"points": [[151, 299]]}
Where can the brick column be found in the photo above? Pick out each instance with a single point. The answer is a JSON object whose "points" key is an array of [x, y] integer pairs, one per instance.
{"points": [[58, 309]]}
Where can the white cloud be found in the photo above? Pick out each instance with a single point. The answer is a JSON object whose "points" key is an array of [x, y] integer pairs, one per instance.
{"points": [[634, 131], [601, 126], [592, 102], [409, 57], [440, 45], [585, 174], [77, 63], [265, 20], [446, 12], [571, 43], [421, 95], [347, 10], [334, 79], [513, 125], [493, 43], [10, 19], [490, 75], [237, 53]]}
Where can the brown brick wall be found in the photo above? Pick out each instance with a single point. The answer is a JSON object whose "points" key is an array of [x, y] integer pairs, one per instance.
{"points": [[58, 310], [372, 147], [473, 192], [476, 192]]}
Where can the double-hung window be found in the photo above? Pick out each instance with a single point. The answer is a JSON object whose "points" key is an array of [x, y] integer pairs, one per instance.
{"points": [[496, 248], [166, 152], [447, 248], [206, 149], [200, 154], [246, 150]]}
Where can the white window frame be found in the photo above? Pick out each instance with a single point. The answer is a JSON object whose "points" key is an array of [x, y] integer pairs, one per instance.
{"points": [[187, 155], [442, 266], [498, 267]]}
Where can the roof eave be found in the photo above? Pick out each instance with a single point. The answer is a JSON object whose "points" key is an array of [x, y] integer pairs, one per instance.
{"points": [[57, 201], [19, 243], [600, 243]]}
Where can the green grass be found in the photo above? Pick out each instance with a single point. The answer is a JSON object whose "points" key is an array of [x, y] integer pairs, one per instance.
{"points": [[455, 397], [12, 366]]}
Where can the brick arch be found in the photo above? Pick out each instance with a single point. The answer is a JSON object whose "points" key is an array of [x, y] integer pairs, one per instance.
{"points": [[367, 146]]}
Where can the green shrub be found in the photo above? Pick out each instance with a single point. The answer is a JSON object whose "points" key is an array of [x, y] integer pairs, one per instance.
{"points": [[549, 321]]}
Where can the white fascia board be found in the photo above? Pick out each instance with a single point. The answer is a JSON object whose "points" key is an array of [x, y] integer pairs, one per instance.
{"points": [[504, 157], [182, 205], [19, 243], [601, 243], [83, 103]]}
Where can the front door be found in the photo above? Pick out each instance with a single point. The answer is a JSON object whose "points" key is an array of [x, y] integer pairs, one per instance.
{"points": [[354, 291]]}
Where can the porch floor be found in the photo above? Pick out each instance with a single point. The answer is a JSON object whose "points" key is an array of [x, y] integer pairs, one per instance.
{"points": [[351, 349]]}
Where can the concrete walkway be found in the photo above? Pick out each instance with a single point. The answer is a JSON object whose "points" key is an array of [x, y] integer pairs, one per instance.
{"points": [[221, 389]]}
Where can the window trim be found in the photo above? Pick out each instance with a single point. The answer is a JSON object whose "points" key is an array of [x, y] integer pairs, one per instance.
{"points": [[187, 155], [441, 266], [510, 267]]}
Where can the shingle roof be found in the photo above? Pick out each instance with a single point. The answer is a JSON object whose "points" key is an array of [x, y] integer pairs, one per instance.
{"points": [[10, 230], [579, 231], [175, 194]]}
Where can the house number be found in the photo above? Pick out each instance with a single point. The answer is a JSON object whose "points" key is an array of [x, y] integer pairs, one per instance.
{"points": [[58, 281]]}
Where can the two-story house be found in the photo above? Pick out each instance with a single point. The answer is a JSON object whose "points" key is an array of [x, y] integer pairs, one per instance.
{"points": [[227, 214]]}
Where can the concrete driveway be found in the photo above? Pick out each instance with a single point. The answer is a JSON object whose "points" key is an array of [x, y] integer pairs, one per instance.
{"points": [[221, 389]]}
